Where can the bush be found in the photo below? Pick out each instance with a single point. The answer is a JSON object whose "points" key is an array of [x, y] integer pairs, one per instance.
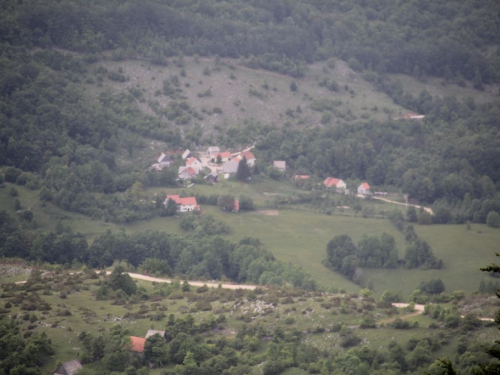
{"points": [[493, 219]]}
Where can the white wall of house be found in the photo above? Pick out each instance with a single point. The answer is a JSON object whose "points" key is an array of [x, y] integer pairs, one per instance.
{"points": [[185, 207]]}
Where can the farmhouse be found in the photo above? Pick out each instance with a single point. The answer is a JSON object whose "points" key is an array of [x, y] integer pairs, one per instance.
{"points": [[137, 344], [211, 151], [185, 204], [249, 156], [68, 368], [280, 165], [364, 189], [195, 164], [336, 183]]}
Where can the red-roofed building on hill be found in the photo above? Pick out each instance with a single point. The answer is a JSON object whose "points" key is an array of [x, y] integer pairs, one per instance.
{"points": [[137, 344], [364, 189], [336, 183], [299, 177], [185, 204]]}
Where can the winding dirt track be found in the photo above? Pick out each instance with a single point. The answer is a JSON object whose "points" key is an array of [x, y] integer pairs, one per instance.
{"points": [[193, 283], [429, 210]]}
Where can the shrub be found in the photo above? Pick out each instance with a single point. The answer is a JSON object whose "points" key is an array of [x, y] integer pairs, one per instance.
{"points": [[493, 219]]}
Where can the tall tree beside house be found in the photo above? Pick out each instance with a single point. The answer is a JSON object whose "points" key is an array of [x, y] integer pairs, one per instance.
{"points": [[219, 159], [243, 173], [171, 208], [226, 202], [493, 350]]}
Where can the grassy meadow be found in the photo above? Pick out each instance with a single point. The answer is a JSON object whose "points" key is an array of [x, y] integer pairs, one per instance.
{"points": [[300, 235]]}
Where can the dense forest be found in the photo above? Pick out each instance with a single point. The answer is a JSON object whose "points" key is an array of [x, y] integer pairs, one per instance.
{"points": [[440, 38]]}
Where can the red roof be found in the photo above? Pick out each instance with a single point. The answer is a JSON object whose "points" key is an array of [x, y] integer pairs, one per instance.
{"points": [[137, 344], [331, 181], [248, 155], [175, 198], [191, 161], [236, 207], [190, 170], [182, 201], [223, 155], [365, 186], [188, 201], [301, 177]]}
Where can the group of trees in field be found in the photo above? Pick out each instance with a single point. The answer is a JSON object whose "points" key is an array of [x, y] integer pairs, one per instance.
{"points": [[345, 257], [201, 256]]}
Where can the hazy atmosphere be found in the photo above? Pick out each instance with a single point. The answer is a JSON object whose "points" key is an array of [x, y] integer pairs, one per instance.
{"points": [[206, 187]]}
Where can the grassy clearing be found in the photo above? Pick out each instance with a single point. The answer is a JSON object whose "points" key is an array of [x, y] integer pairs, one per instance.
{"points": [[463, 252], [47, 215]]}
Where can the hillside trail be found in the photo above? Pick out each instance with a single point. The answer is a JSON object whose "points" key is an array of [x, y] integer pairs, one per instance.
{"points": [[427, 209], [193, 283]]}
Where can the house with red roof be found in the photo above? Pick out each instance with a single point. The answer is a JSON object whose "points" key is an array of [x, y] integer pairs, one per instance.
{"points": [[137, 344], [299, 177], [249, 156], [195, 164], [364, 189], [335, 183], [185, 204], [225, 156]]}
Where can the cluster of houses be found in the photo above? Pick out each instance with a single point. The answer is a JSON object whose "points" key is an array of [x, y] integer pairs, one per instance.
{"points": [[212, 158]]}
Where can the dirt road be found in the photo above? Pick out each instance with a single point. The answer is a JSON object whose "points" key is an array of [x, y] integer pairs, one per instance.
{"points": [[193, 283], [429, 210]]}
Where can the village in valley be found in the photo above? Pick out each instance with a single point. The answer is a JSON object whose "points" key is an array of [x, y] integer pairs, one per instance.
{"points": [[213, 164]]}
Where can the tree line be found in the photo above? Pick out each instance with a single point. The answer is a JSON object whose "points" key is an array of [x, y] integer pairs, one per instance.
{"points": [[442, 38]]}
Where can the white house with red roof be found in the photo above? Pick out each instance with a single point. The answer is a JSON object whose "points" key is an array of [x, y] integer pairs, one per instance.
{"points": [[195, 164], [225, 156], [336, 183], [364, 189], [185, 204], [249, 156]]}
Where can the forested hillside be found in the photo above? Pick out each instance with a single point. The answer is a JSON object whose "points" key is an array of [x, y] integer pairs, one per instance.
{"points": [[442, 38]]}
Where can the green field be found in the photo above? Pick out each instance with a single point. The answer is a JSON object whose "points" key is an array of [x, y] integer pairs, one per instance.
{"points": [[300, 235]]}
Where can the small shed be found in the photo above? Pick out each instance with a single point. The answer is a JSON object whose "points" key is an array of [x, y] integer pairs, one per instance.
{"points": [[280, 165], [152, 332], [68, 368]]}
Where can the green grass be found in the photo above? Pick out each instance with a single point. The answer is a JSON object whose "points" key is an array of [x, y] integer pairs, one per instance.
{"points": [[463, 252], [47, 215]]}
